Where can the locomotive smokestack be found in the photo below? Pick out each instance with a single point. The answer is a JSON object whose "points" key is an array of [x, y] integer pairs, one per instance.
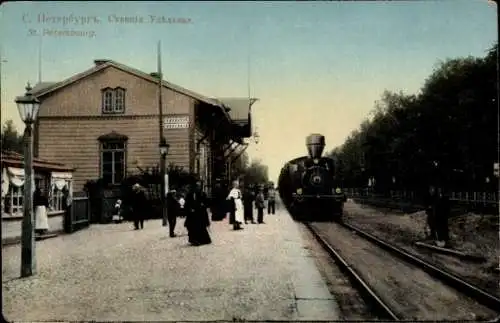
{"points": [[315, 144]]}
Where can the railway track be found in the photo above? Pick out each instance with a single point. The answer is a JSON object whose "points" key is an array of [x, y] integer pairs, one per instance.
{"points": [[379, 307], [386, 308], [479, 295]]}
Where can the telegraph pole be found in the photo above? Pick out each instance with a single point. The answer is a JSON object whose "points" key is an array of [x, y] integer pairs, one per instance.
{"points": [[163, 157]]}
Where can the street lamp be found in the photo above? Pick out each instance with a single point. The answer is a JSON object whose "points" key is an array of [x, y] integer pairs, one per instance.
{"points": [[164, 146], [28, 107], [256, 137]]}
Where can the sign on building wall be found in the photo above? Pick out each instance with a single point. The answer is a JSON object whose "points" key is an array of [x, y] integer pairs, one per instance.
{"points": [[176, 122]]}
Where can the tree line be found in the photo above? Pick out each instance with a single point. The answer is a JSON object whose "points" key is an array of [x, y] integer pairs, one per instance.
{"points": [[446, 134], [254, 172], [11, 139]]}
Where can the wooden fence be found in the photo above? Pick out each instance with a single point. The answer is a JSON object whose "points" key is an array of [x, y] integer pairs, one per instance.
{"points": [[411, 200]]}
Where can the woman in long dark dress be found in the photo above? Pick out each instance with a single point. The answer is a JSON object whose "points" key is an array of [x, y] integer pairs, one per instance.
{"points": [[197, 220]]}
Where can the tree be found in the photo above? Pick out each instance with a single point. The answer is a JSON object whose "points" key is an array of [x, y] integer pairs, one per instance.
{"points": [[256, 173], [239, 165], [11, 139], [452, 121]]}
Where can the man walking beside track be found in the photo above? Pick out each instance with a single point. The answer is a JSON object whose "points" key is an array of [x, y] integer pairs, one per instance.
{"points": [[442, 214]]}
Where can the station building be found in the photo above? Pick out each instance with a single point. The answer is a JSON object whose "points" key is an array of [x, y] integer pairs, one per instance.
{"points": [[104, 123]]}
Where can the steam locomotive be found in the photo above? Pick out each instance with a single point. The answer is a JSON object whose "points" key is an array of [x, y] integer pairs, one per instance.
{"points": [[308, 186]]}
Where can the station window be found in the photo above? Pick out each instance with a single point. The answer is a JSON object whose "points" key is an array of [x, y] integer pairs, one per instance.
{"points": [[113, 162], [113, 100]]}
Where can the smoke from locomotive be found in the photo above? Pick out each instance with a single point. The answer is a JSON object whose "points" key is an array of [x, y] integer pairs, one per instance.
{"points": [[308, 187]]}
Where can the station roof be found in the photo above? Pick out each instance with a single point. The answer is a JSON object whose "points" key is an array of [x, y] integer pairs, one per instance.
{"points": [[239, 108], [44, 88], [12, 158]]}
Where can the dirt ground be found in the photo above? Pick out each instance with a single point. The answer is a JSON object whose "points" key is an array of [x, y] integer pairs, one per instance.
{"points": [[470, 233]]}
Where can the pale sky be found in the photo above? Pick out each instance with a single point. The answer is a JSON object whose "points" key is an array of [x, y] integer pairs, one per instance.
{"points": [[316, 67]]}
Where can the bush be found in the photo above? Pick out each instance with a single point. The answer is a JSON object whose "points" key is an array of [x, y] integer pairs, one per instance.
{"points": [[150, 179]]}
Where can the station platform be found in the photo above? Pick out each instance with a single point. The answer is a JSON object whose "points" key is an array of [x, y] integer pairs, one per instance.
{"points": [[113, 273]]}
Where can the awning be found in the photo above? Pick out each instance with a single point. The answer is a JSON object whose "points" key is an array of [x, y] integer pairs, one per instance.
{"points": [[5, 182], [62, 175], [61, 180], [16, 177]]}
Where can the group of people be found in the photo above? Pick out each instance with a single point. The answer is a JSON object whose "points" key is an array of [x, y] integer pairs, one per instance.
{"points": [[242, 204], [194, 205], [191, 205]]}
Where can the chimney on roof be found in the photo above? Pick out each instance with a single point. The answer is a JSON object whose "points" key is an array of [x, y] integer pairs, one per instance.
{"points": [[155, 75], [98, 62]]}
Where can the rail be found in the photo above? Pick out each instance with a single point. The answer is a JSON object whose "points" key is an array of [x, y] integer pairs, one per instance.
{"points": [[380, 307], [451, 280]]}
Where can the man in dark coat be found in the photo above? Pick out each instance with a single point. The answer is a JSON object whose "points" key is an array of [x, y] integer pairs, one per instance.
{"points": [[248, 199], [260, 204], [67, 202], [197, 220], [271, 200], [218, 204], [172, 211], [442, 212], [430, 199], [139, 204]]}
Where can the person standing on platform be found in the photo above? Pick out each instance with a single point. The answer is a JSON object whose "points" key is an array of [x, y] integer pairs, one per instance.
{"points": [[260, 204], [182, 202], [41, 204], [271, 200], [67, 202], [138, 205], [197, 220], [248, 200], [235, 197], [218, 202], [172, 211]]}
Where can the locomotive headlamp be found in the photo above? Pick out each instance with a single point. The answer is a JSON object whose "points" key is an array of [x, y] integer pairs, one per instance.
{"points": [[338, 190], [316, 160], [316, 179], [299, 191]]}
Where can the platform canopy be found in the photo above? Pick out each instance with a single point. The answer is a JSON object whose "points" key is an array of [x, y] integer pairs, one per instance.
{"points": [[240, 113]]}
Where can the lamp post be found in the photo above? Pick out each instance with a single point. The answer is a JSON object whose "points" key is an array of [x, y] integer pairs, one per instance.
{"points": [[28, 107], [163, 152]]}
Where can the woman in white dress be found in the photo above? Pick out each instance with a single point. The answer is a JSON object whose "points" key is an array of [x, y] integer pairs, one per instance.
{"points": [[41, 204], [235, 195]]}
